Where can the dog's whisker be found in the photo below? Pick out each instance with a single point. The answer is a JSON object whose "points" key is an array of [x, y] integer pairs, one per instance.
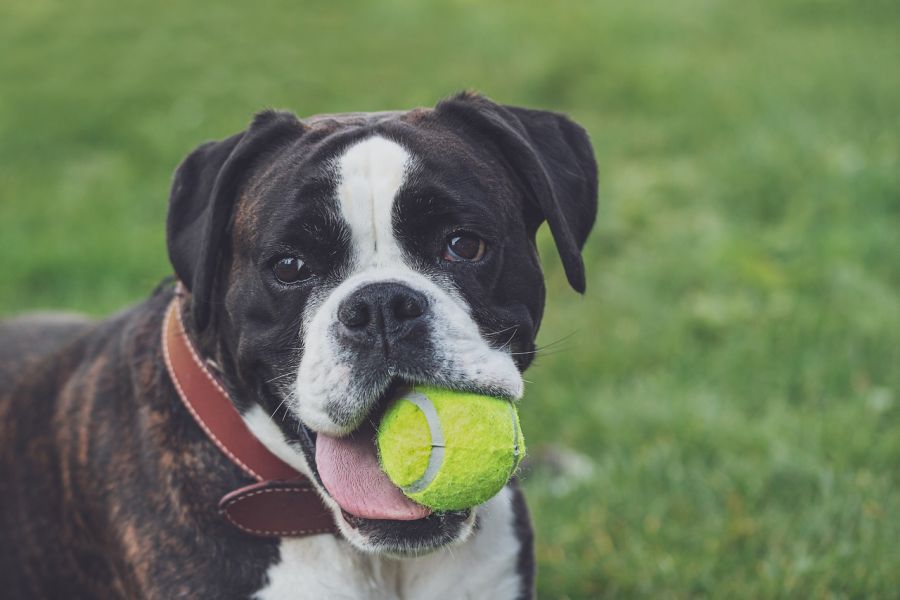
{"points": [[504, 330], [558, 351], [509, 341], [527, 352], [559, 340], [280, 404], [277, 377], [543, 351]]}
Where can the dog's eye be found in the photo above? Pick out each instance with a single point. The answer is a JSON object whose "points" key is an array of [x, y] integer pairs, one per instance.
{"points": [[290, 269], [464, 246]]}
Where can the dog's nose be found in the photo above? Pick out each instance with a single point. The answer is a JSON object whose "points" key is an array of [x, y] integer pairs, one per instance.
{"points": [[381, 310]]}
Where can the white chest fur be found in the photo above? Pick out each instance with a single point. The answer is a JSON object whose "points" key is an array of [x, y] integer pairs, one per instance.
{"points": [[484, 566]]}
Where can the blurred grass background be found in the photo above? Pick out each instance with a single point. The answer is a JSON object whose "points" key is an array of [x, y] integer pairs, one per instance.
{"points": [[724, 413]]}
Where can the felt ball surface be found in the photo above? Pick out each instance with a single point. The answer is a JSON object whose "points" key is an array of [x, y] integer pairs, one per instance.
{"points": [[450, 450]]}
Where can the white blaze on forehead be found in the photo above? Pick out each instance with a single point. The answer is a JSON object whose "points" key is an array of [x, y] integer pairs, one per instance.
{"points": [[370, 173]]}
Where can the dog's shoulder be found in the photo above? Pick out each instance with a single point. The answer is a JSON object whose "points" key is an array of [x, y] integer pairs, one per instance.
{"points": [[100, 466]]}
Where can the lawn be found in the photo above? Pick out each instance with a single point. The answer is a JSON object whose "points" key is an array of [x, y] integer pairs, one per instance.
{"points": [[721, 417]]}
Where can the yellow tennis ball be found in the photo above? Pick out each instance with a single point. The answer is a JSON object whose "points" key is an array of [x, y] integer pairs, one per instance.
{"points": [[450, 450]]}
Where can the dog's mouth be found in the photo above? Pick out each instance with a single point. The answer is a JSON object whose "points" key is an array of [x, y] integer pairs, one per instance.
{"points": [[349, 470]]}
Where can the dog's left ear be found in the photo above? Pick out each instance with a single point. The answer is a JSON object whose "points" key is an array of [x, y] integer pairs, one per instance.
{"points": [[553, 157], [205, 189]]}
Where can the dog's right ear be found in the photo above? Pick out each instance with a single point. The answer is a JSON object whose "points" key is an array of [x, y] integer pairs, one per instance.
{"points": [[204, 191]]}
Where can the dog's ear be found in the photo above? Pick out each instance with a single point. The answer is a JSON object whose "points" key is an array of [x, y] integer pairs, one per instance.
{"points": [[554, 159], [204, 190]]}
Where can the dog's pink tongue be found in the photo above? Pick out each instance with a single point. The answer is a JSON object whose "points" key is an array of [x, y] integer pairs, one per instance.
{"points": [[350, 472]]}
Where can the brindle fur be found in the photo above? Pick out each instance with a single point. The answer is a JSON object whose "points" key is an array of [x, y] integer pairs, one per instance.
{"points": [[108, 486]]}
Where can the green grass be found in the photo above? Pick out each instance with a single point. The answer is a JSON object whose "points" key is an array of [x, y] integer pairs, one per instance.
{"points": [[733, 373]]}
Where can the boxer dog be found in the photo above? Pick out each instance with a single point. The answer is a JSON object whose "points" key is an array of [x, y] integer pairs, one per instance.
{"points": [[326, 263]]}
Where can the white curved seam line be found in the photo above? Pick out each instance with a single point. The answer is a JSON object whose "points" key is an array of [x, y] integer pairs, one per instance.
{"points": [[436, 458], [515, 428]]}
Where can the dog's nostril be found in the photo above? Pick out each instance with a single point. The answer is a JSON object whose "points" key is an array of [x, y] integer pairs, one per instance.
{"points": [[408, 306], [381, 309], [354, 314]]}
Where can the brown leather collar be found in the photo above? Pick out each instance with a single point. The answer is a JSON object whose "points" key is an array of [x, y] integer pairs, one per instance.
{"points": [[283, 502]]}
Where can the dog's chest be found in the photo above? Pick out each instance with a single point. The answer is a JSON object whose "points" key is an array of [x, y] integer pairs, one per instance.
{"points": [[484, 566]]}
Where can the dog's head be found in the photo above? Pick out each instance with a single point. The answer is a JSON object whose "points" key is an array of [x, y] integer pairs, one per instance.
{"points": [[332, 261]]}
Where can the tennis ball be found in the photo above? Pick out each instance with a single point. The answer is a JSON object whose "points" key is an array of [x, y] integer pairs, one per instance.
{"points": [[449, 450]]}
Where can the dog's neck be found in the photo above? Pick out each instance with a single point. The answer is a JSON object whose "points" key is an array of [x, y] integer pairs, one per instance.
{"points": [[283, 501]]}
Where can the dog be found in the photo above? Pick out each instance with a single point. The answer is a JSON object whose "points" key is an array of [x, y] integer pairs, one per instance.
{"points": [[324, 264]]}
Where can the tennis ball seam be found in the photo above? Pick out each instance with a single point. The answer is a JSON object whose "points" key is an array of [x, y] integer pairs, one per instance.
{"points": [[436, 456]]}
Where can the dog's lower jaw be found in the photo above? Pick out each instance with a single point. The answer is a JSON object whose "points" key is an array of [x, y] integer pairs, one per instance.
{"points": [[380, 541]]}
